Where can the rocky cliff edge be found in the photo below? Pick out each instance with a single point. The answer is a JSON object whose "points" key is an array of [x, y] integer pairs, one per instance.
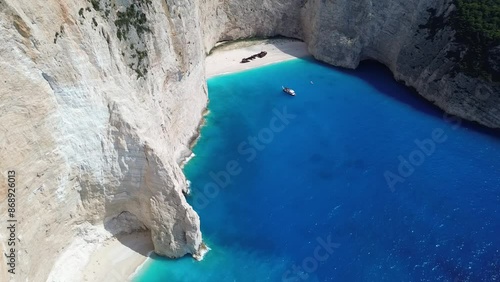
{"points": [[100, 100]]}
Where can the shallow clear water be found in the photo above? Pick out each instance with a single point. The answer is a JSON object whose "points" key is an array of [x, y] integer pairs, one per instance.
{"points": [[311, 200]]}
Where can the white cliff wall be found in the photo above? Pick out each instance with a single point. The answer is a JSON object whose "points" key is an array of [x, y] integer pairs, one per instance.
{"points": [[88, 139], [412, 38], [98, 105], [403, 36]]}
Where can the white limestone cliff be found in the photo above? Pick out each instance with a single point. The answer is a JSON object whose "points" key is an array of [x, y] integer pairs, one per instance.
{"points": [[98, 107], [90, 141], [412, 38]]}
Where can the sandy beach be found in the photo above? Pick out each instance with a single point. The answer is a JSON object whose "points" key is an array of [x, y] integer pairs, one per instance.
{"points": [[226, 57], [118, 258]]}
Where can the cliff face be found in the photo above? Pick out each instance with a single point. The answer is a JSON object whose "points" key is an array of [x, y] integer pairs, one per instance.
{"points": [[100, 99], [95, 124], [413, 38]]}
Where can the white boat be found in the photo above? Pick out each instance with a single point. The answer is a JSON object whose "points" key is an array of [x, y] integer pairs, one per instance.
{"points": [[288, 91]]}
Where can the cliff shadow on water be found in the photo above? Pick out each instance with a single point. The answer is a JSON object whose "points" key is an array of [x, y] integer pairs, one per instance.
{"points": [[368, 68], [333, 157], [365, 71]]}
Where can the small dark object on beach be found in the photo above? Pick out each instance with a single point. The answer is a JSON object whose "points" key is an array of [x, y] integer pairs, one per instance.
{"points": [[247, 60], [260, 55]]}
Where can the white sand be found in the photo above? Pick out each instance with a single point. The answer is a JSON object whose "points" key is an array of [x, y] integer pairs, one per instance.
{"points": [[226, 58], [118, 259]]}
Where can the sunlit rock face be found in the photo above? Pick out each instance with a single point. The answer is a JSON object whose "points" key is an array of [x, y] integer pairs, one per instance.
{"points": [[99, 104], [101, 99], [413, 38]]}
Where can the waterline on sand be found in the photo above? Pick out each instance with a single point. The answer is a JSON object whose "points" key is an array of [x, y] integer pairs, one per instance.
{"points": [[322, 176], [226, 59]]}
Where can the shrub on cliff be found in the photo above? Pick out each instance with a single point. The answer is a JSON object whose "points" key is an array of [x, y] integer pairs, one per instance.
{"points": [[479, 17], [477, 23]]}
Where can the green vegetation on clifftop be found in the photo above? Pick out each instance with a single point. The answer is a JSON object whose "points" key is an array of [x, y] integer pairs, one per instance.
{"points": [[477, 23], [479, 17]]}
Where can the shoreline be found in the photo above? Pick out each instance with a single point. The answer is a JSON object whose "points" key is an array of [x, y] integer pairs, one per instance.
{"points": [[119, 258], [225, 58], [122, 257], [139, 268]]}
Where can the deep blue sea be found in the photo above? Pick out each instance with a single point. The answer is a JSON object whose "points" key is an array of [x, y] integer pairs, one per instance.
{"points": [[356, 178]]}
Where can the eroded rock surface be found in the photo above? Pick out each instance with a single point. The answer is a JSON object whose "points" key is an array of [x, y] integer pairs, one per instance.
{"points": [[95, 125], [413, 38], [100, 99]]}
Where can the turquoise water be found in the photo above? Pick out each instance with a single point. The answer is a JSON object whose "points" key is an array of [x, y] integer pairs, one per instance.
{"points": [[354, 179]]}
